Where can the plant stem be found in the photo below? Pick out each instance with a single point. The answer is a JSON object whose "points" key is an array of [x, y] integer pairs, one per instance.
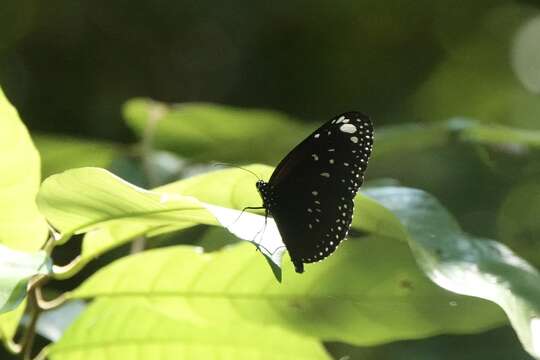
{"points": [[155, 114], [30, 333], [27, 341]]}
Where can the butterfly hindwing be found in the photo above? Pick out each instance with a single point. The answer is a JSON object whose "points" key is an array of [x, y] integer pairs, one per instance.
{"points": [[313, 187]]}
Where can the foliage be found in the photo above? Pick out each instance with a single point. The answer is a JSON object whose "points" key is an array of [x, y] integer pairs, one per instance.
{"points": [[408, 272]]}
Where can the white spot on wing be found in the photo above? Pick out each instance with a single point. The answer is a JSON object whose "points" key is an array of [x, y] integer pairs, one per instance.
{"points": [[340, 119], [354, 139], [315, 193], [316, 136], [348, 128], [325, 174]]}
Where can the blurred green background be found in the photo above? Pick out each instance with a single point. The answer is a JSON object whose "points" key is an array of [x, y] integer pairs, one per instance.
{"points": [[69, 67]]}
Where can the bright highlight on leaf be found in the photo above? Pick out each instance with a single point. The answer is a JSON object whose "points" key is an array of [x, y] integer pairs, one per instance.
{"points": [[255, 228], [94, 200], [16, 269], [164, 329], [82, 200], [336, 300], [21, 225]]}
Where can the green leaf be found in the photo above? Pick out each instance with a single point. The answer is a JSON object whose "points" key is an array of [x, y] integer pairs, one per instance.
{"points": [[416, 137], [85, 199], [9, 322], [96, 201], [476, 132], [465, 265], [21, 225], [370, 291], [231, 188], [199, 130], [16, 269], [60, 153], [128, 328]]}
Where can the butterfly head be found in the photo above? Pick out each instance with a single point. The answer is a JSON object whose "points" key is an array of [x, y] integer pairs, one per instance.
{"points": [[261, 187], [266, 194]]}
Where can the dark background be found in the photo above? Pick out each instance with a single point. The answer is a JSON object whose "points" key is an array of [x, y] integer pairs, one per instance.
{"points": [[68, 66]]}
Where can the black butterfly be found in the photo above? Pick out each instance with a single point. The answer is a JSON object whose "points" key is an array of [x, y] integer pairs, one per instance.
{"points": [[310, 193]]}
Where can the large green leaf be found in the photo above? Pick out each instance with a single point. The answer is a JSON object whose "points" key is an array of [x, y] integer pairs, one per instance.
{"points": [[113, 211], [468, 266], [16, 269], [127, 328], [205, 131], [228, 188], [9, 323], [370, 291], [85, 199], [21, 225]]}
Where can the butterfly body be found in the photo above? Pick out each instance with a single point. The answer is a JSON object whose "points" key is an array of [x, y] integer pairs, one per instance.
{"points": [[310, 193]]}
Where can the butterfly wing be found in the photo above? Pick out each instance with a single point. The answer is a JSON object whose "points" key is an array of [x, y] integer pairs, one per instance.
{"points": [[314, 187]]}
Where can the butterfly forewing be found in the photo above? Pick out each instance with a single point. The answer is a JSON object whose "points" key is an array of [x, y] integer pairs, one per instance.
{"points": [[313, 187]]}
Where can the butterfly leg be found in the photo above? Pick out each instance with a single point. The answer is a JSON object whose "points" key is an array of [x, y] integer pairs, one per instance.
{"points": [[263, 229], [244, 209]]}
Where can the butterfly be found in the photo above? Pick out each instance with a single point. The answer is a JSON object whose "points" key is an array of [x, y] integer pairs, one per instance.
{"points": [[310, 193]]}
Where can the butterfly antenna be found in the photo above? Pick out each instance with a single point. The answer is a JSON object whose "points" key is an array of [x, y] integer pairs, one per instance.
{"points": [[239, 167]]}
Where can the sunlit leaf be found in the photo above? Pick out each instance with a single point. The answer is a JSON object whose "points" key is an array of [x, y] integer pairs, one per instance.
{"points": [[16, 269], [96, 201], [21, 225], [81, 200], [9, 322], [352, 296], [465, 265], [127, 328], [227, 188]]}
